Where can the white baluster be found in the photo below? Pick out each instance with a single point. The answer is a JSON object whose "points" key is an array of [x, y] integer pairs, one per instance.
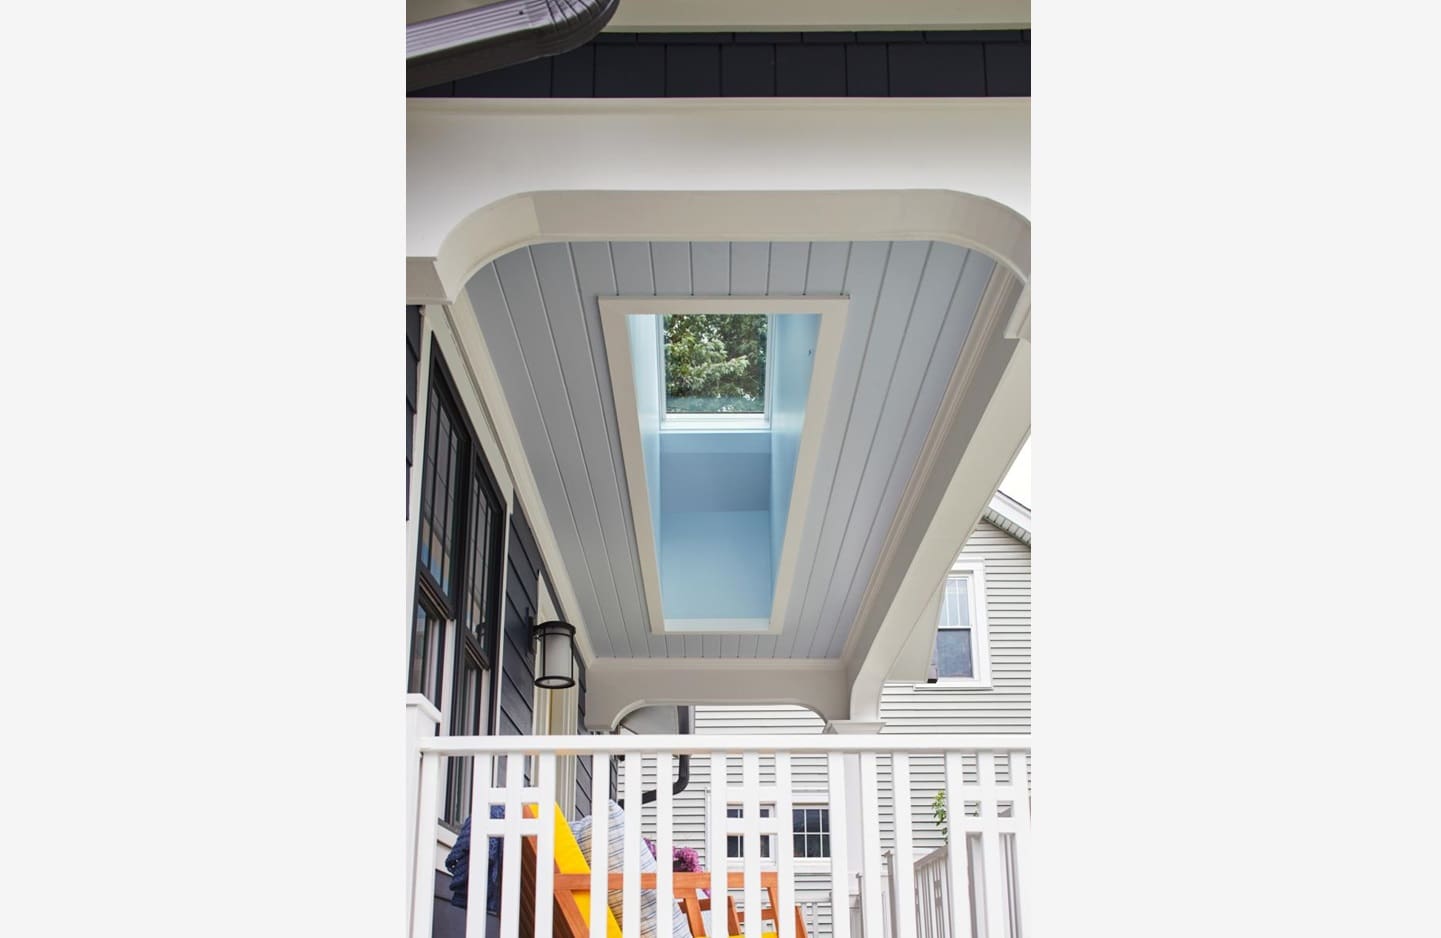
{"points": [[840, 875], [785, 862], [422, 909], [957, 856], [751, 841], [664, 843], [719, 890], [1021, 812], [997, 919], [631, 847], [545, 845], [599, 842], [873, 872], [510, 864], [905, 852], [478, 882]]}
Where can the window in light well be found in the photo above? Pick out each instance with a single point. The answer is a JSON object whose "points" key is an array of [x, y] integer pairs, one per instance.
{"points": [[716, 367]]}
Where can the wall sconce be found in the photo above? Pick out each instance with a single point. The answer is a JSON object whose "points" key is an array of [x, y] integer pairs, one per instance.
{"points": [[555, 656]]}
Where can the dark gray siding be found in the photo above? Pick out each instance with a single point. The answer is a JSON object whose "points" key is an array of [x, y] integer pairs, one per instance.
{"points": [[412, 390], [583, 772], [949, 63], [516, 682]]}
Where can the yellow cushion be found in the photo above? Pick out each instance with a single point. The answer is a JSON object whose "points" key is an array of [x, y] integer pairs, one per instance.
{"points": [[570, 859]]}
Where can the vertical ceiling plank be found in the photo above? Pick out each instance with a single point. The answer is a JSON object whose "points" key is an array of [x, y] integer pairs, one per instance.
{"points": [[884, 457], [955, 330], [565, 317]]}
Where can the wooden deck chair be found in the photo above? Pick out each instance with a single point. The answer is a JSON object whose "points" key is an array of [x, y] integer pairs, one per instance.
{"points": [[572, 909], [770, 884]]}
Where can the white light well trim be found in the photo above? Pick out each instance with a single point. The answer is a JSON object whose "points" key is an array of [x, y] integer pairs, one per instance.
{"points": [[702, 626], [613, 313]]}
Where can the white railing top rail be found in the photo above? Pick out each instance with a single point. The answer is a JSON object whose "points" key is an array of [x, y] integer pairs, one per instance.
{"points": [[677, 745]]}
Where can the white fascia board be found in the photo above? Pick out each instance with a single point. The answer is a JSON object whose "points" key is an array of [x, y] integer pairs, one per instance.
{"points": [[616, 686], [485, 176], [638, 16], [1007, 509], [614, 312]]}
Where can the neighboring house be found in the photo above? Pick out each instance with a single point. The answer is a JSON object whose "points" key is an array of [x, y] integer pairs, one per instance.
{"points": [[986, 605], [852, 178]]}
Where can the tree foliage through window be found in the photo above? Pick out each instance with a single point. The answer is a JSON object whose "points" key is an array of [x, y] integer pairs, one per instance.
{"points": [[715, 364]]}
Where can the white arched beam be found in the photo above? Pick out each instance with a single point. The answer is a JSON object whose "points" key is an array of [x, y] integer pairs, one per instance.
{"points": [[983, 423], [616, 686]]}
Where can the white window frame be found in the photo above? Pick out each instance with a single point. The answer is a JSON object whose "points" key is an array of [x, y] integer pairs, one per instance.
{"points": [[761, 421], [799, 799], [973, 568]]}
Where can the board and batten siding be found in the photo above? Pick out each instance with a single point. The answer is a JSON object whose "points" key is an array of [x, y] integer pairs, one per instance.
{"points": [[1005, 707]]}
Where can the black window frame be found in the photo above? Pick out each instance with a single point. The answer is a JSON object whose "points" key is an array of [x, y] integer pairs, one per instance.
{"points": [[822, 831], [473, 653]]}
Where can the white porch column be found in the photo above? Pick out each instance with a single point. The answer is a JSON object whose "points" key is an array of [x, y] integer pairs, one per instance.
{"points": [[855, 804], [421, 720]]}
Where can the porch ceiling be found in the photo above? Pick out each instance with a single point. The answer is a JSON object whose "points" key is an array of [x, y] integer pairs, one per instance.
{"points": [[912, 305]]}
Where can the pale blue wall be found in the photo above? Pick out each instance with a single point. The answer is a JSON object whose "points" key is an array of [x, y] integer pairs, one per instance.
{"points": [[793, 351], [717, 565], [645, 358], [724, 471]]}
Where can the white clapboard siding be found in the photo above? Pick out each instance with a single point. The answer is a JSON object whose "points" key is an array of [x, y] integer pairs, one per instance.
{"points": [[1004, 708], [905, 708]]}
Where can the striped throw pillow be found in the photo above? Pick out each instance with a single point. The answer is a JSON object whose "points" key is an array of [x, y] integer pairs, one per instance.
{"points": [[616, 898]]}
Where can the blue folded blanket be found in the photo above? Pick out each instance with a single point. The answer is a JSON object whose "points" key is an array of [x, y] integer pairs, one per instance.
{"points": [[458, 862]]}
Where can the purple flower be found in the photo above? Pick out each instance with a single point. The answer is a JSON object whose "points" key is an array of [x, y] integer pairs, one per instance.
{"points": [[685, 860], [651, 844]]}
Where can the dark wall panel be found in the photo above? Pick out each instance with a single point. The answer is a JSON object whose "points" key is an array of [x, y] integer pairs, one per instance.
{"points": [[692, 71], [516, 690], [941, 69], [630, 71], [582, 763], [950, 63], [806, 70], [412, 391]]}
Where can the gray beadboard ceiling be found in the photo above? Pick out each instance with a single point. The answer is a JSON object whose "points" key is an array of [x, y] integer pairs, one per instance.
{"points": [[912, 304]]}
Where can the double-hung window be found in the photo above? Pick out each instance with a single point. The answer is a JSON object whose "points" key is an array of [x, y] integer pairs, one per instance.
{"points": [[962, 651], [458, 571]]}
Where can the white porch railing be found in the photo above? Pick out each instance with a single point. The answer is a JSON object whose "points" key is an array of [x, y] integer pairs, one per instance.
{"points": [[984, 811]]}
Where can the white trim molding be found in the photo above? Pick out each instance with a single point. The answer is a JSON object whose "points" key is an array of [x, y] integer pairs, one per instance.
{"points": [[616, 686], [614, 312]]}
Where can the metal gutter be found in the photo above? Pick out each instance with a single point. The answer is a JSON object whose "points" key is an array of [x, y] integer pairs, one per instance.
{"points": [[498, 35]]}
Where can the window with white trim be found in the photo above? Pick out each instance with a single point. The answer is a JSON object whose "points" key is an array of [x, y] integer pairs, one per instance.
{"points": [[810, 830], [715, 371], [962, 651]]}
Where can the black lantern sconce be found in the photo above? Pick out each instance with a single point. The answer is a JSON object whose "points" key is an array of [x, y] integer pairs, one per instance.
{"points": [[554, 655]]}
